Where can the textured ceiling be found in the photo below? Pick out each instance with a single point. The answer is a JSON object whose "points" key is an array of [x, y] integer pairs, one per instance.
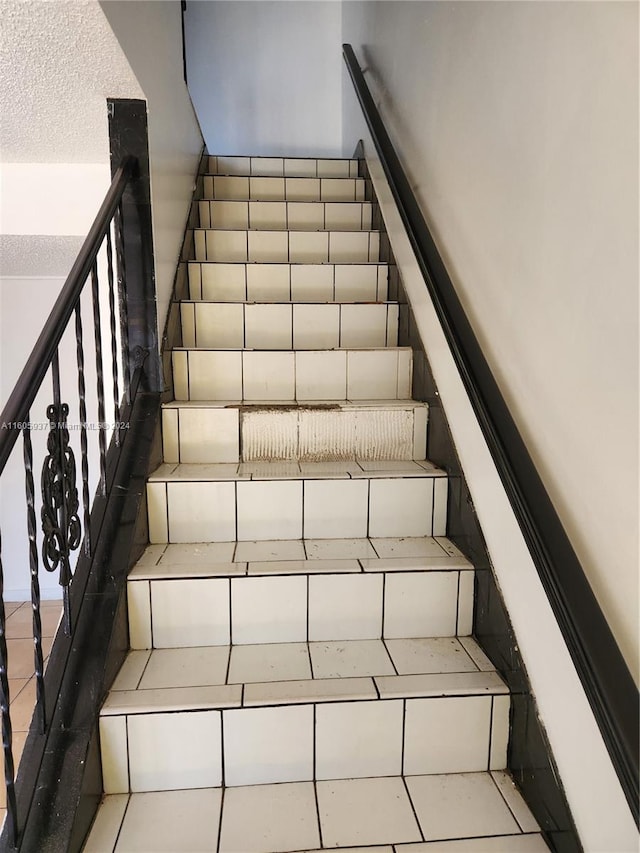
{"points": [[37, 255], [59, 61]]}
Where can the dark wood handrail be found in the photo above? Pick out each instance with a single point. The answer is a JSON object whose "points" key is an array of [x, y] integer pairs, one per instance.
{"points": [[26, 388], [604, 674]]}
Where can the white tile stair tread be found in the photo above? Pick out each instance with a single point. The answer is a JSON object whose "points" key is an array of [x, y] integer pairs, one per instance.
{"points": [[292, 470], [162, 680], [298, 556], [412, 814]]}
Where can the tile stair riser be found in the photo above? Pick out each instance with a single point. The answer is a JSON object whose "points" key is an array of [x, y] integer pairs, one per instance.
{"points": [[270, 282], [213, 611], [231, 434], [248, 510], [257, 376], [292, 743], [218, 187], [242, 246], [309, 326], [282, 215], [322, 167]]}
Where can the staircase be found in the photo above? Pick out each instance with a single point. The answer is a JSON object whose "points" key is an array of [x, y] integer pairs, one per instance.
{"points": [[302, 673]]}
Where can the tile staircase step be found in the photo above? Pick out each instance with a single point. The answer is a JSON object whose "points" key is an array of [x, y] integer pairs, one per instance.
{"points": [[301, 167], [212, 593], [278, 246], [282, 215], [264, 376], [207, 432], [290, 712], [412, 814], [271, 282], [285, 326], [235, 188], [275, 500]]}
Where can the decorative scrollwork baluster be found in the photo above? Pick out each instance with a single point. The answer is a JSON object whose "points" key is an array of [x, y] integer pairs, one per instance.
{"points": [[60, 521]]}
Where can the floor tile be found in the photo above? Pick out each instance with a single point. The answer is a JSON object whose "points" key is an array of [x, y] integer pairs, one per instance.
{"points": [[174, 751], [408, 546], [359, 739], [20, 622], [303, 692], [106, 826], [267, 745], [192, 667], [494, 844], [299, 567], [515, 801], [198, 553], [269, 610], [282, 549], [437, 654], [269, 662], [131, 670], [283, 818], [338, 549], [365, 811], [345, 607], [447, 734], [350, 659], [437, 800], [166, 821]]}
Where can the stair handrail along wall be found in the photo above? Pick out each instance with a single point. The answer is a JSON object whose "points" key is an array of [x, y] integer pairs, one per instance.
{"points": [[601, 667]]}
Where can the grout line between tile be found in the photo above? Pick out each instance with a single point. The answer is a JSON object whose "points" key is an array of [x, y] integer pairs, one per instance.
{"points": [[126, 729], [315, 792], [508, 805], [119, 832], [491, 734], [404, 727], [458, 605], [406, 787], [220, 818], [230, 590], [384, 643], [223, 770]]}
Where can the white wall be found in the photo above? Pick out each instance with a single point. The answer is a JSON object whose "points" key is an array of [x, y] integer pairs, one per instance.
{"points": [[265, 76], [150, 35], [518, 125]]}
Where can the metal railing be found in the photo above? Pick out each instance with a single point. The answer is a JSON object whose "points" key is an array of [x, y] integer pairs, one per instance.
{"points": [[606, 679], [95, 287]]}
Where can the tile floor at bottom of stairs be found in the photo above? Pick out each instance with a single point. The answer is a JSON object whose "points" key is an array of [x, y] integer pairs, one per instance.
{"points": [[452, 813]]}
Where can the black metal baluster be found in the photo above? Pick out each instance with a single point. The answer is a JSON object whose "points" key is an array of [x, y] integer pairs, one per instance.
{"points": [[35, 581], [9, 770], [102, 436], [82, 410], [114, 342], [60, 414], [122, 300]]}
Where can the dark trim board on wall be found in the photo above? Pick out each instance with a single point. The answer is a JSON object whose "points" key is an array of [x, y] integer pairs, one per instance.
{"points": [[530, 759]]}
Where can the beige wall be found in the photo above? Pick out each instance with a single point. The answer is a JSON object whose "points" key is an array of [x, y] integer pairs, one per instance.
{"points": [[518, 124]]}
